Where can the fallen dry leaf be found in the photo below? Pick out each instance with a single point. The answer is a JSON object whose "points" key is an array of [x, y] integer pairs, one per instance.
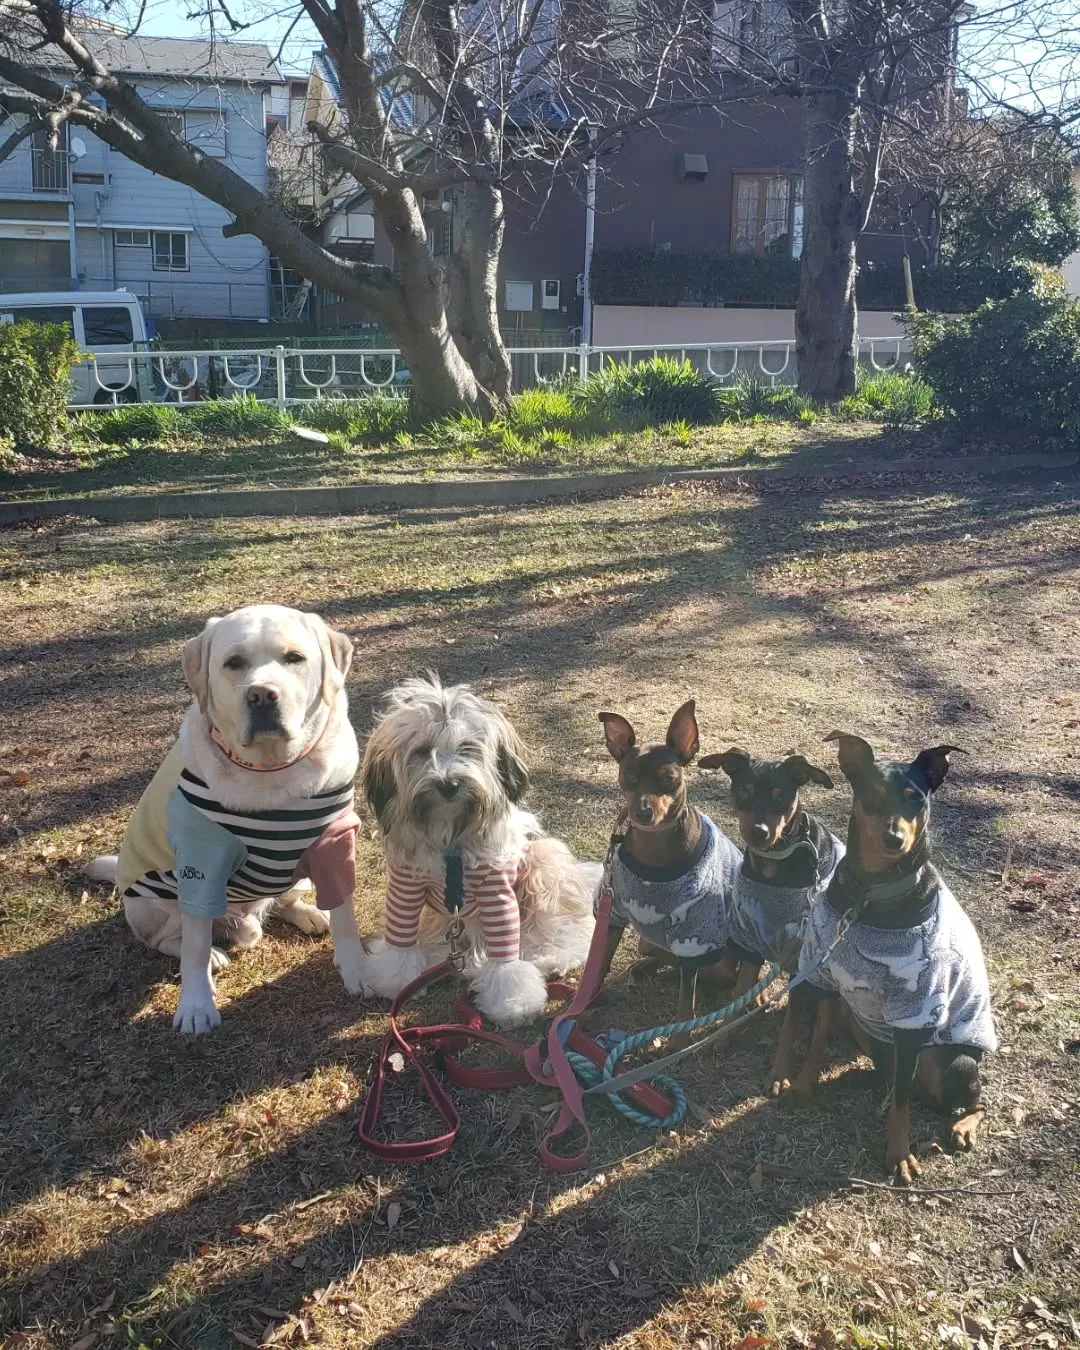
{"points": [[753, 1343], [511, 1309], [393, 1213]]}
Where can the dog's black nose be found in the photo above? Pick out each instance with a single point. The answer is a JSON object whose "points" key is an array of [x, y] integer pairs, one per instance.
{"points": [[894, 841], [448, 788], [260, 694], [643, 811], [759, 834]]}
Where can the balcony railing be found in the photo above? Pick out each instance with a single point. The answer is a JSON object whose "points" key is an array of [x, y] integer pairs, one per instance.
{"points": [[49, 169]]}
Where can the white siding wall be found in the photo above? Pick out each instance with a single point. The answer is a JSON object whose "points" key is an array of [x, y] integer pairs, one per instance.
{"points": [[227, 277]]}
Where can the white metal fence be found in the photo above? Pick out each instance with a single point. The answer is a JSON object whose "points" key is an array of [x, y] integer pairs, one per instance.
{"points": [[291, 375]]}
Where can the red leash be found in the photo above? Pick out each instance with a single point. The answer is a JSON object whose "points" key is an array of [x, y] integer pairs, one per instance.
{"points": [[531, 1065]]}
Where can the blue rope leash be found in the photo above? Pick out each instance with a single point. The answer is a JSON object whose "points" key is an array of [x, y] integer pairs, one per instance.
{"points": [[592, 1077]]}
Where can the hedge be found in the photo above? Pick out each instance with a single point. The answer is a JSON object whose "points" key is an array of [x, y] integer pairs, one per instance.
{"points": [[653, 277], [35, 382]]}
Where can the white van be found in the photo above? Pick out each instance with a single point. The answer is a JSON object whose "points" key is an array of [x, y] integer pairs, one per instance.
{"points": [[108, 324]]}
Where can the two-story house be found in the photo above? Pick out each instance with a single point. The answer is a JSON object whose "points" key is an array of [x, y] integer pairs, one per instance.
{"points": [[704, 181], [82, 216]]}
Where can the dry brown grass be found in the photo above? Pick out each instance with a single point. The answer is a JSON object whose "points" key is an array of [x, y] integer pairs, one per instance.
{"points": [[165, 1193]]}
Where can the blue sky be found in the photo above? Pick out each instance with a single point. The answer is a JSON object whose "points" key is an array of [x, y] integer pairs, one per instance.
{"points": [[1043, 69], [167, 18]]}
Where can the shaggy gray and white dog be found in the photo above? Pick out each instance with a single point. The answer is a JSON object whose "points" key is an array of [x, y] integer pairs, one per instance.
{"points": [[444, 772]]}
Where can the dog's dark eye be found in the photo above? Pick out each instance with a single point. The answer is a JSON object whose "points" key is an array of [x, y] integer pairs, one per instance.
{"points": [[235, 663], [293, 658]]}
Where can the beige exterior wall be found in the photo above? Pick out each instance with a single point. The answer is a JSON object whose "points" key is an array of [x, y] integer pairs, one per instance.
{"points": [[643, 325], [1071, 266]]}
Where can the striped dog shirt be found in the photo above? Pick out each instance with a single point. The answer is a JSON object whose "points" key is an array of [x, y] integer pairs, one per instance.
{"points": [[183, 845], [490, 894]]}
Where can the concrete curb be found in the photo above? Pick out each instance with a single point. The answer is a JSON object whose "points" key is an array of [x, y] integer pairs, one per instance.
{"points": [[360, 498]]}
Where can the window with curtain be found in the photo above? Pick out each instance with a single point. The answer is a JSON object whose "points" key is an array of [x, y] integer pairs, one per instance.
{"points": [[767, 214]]}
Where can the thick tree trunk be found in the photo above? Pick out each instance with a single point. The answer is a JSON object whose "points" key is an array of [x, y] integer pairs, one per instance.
{"points": [[443, 381], [825, 316], [474, 315]]}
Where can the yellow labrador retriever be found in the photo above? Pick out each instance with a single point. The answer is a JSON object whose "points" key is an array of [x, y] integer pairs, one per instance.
{"points": [[253, 803]]}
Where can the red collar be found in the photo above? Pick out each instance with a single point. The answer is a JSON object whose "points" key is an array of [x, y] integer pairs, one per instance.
{"points": [[231, 754]]}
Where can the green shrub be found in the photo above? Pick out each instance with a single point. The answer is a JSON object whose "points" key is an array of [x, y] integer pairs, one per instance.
{"points": [[374, 419], [1012, 366], [649, 393], [645, 276], [746, 398], [35, 382], [538, 411], [240, 417], [148, 423], [897, 398]]}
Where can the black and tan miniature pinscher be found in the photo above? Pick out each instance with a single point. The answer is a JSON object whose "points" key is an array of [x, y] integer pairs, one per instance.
{"points": [[674, 872], [788, 860], [908, 979]]}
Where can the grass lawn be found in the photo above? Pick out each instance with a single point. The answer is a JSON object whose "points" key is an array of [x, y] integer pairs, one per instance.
{"points": [[194, 1195], [291, 462]]}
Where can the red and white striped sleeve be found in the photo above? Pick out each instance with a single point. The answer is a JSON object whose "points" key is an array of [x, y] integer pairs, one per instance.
{"points": [[404, 902], [490, 887]]}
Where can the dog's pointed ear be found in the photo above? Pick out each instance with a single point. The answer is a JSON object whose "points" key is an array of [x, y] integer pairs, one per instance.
{"points": [[933, 765], [195, 660], [337, 655], [799, 769], [377, 775], [510, 761], [733, 762], [682, 734], [618, 734], [856, 756]]}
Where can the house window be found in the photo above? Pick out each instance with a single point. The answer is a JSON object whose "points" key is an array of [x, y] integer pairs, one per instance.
{"points": [[131, 238], [202, 128], [49, 164], [767, 214], [170, 252]]}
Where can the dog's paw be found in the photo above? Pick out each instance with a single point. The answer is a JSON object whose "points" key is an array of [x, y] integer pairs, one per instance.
{"points": [[964, 1133], [218, 960], [510, 992], [314, 922], [387, 970], [903, 1169], [196, 1015], [352, 964], [802, 1089], [776, 1086]]}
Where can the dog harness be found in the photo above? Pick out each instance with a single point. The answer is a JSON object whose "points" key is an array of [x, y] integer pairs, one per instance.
{"points": [[489, 890], [687, 912], [930, 977], [766, 914], [183, 845]]}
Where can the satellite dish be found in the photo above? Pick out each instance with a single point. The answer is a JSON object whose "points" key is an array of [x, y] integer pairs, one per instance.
{"points": [[78, 147]]}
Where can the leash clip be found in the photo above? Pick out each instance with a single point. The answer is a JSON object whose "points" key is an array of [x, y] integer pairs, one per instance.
{"points": [[455, 932]]}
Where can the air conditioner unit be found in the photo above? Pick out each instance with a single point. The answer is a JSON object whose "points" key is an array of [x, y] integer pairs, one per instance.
{"points": [[550, 293], [692, 168]]}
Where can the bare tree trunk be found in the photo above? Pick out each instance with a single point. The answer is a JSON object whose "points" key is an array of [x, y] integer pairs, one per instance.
{"points": [[825, 316], [474, 289], [443, 381]]}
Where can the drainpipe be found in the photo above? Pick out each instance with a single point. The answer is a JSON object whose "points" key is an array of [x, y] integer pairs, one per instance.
{"points": [[73, 260], [590, 235]]}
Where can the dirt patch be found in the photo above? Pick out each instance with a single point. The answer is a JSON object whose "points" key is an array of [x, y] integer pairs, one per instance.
{"points": [[175, 1194]]}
